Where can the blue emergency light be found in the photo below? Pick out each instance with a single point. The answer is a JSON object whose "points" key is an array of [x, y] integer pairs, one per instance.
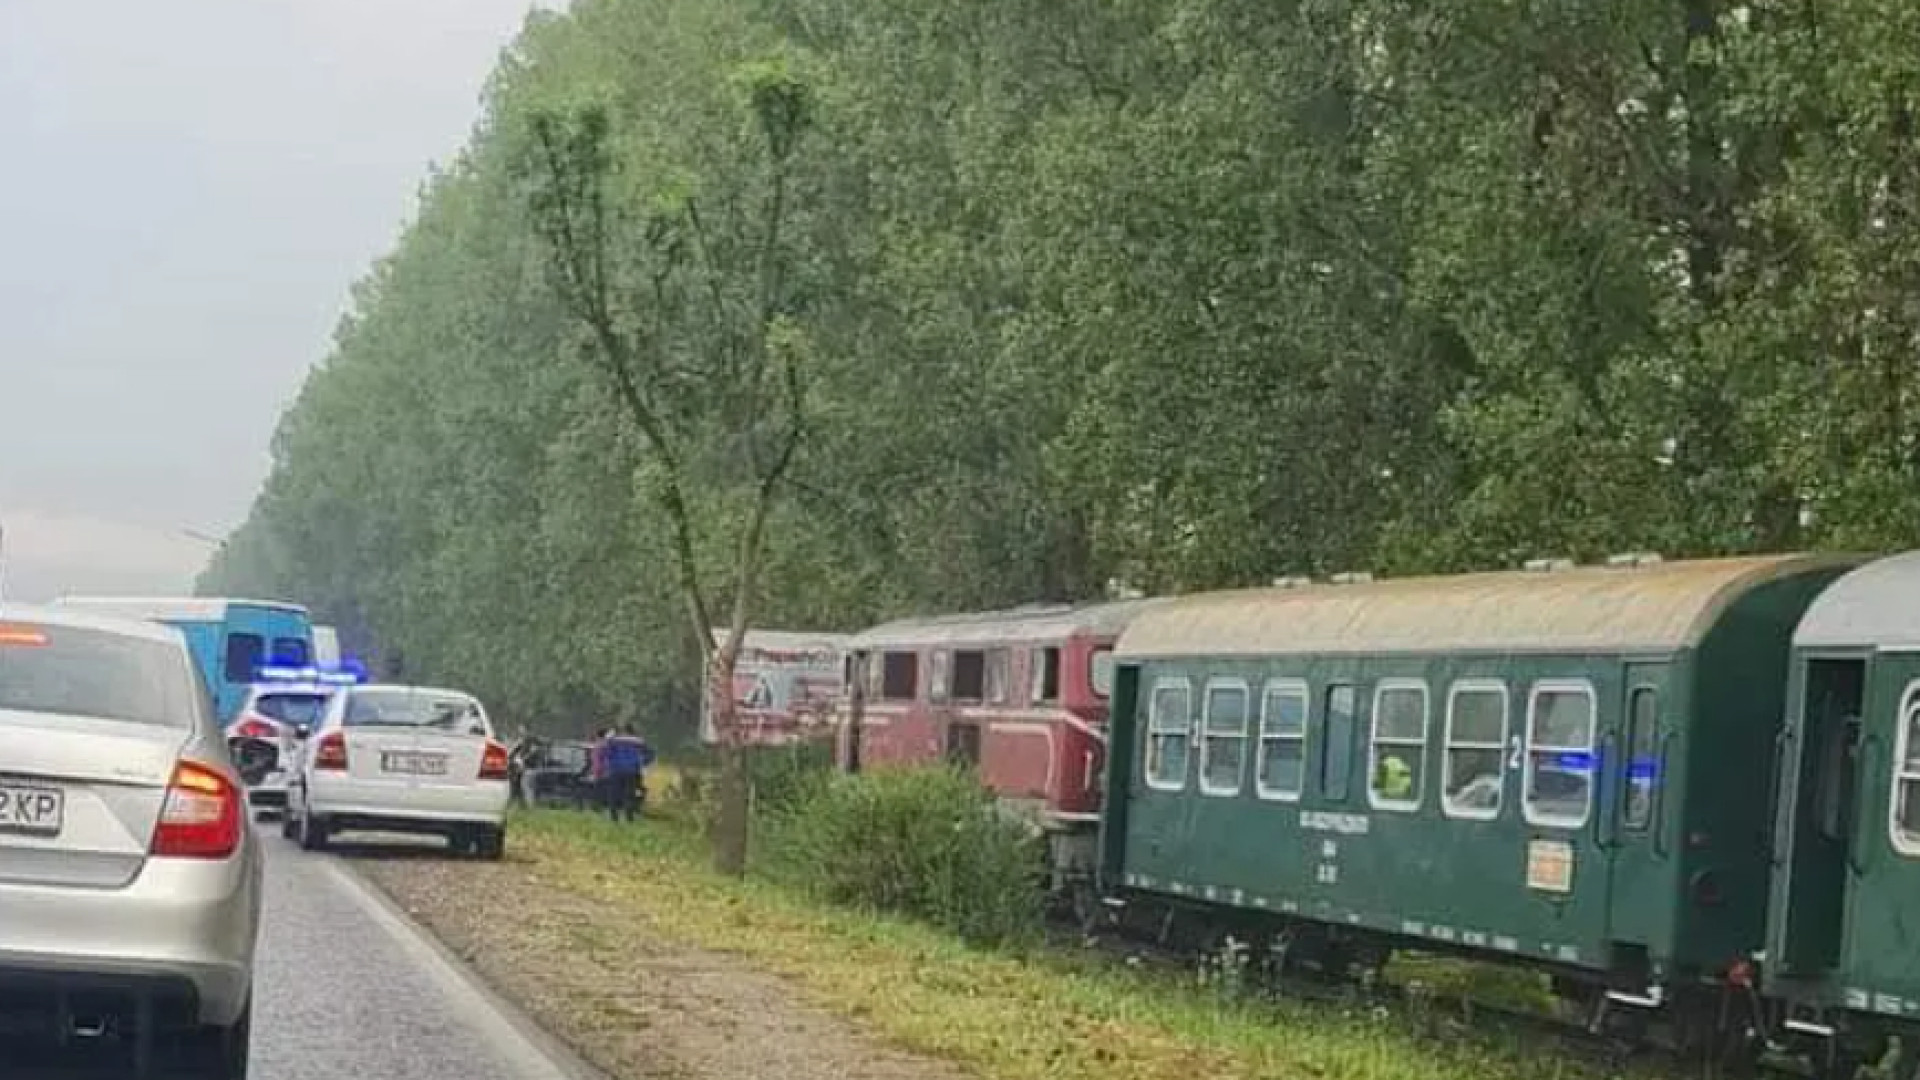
{"points": [[1581, 761], [325, 677], [1575, 761]]}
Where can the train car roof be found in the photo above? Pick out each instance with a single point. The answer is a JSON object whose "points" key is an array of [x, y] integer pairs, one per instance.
{"points": [[1013, 626], [783, 640], [1876, 605], [1656, 607]]}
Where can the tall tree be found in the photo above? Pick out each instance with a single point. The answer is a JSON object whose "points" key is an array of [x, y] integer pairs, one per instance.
{"points": [[684, 300]]}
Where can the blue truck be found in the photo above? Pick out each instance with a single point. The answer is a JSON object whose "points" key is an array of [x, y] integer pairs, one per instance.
{"points": [[232, 639]]}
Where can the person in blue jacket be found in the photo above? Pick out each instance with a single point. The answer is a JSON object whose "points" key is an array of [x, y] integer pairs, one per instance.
{"points": [[626, 758]]}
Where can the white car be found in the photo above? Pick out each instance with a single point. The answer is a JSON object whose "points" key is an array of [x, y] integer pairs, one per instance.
{"points": [[405, 759]]}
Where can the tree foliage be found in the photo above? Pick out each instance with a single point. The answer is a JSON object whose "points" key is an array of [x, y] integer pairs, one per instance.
{"points": [[1183, 293]]}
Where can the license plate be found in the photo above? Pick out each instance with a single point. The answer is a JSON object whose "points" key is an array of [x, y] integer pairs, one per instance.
{"points": [[413, 764], [36, 811]]}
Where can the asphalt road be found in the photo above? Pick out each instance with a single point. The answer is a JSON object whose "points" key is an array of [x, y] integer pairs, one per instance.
{"points": [[349, 989]]}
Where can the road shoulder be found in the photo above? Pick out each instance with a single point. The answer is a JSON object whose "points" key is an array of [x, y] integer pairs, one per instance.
{"points": [[628, 1002], [518, 1038]]}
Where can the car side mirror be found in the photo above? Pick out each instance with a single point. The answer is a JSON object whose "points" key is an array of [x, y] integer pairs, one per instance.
{"points": [[301, 731]]}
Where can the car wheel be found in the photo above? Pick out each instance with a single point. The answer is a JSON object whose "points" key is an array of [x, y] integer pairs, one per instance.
{"points": [[221, 1053], [491, 844], [313, 832], [289, 825]]}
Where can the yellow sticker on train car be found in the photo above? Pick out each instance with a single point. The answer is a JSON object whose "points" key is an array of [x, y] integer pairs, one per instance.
{"points": [[1550, 866]]}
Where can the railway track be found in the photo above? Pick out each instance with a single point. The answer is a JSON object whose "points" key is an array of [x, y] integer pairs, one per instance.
{"points": [[1438, 1013]]}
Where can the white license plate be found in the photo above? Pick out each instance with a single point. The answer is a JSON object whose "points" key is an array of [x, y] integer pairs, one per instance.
{"points": [[36, 811], [412, 764]]}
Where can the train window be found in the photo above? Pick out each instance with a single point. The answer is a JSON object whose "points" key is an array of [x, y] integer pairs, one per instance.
{"points": [[1223, 749], [970, 676], [1560, 761], [899, 676], [1398, 750], [996, 676], [1282, 769], [1472, 778], [1904, 819], [1643, 722], [1100, 672], [1169, 725], [1046, 675], [1336, 754]]}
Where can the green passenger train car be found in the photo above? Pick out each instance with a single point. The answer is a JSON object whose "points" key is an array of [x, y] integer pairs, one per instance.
{"points": [[1843, 942], [1569, 768]]}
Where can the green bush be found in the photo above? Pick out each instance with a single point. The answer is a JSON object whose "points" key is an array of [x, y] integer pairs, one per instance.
{"points": [[785, 776], [924, 842]]}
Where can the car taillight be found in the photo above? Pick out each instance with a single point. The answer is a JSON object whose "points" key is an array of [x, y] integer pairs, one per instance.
{"points": [[256, 729], [493, 763], [332, 752], [202, 816]]}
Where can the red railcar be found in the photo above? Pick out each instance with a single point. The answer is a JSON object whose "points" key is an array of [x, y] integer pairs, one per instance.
{"points": [[1021, 695]]}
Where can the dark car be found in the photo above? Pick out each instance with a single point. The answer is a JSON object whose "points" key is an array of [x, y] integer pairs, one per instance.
{"points": [[553, 773]]}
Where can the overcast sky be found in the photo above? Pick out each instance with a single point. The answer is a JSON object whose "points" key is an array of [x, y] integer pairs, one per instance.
{"points": [[187, 190]]}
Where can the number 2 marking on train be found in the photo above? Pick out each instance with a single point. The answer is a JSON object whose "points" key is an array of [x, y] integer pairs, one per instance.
{"points": [[1513, 757]]}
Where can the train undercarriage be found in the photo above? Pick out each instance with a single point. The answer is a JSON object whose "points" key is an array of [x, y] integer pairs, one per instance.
{"points": [[1722, 1027]]}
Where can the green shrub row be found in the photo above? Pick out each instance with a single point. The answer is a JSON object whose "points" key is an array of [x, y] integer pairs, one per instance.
{"points": [[927, 842]]}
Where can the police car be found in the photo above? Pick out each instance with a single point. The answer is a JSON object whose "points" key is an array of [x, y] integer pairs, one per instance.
{"points": [[401, 759], [280, 702]]}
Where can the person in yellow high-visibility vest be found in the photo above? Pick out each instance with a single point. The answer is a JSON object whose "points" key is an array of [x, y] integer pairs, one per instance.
{"points": [[1396, 778]]}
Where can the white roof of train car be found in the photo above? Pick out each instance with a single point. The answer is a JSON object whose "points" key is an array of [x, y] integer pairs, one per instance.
{"points": [[1873, 606], [1039, 622]]}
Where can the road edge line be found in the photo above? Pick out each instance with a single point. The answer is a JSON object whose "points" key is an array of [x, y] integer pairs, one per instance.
{"points": [[530, 1049]]}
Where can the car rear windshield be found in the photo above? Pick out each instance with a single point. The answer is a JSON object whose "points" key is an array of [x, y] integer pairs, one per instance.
{"points": [[59, 669], [292, 708], [412, 708]]}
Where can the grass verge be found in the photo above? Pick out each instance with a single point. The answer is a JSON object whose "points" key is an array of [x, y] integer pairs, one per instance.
{"points": [[1008, 1017]]}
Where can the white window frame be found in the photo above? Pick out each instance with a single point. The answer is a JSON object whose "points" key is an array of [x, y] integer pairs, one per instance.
{"points": [[1037, 675], [1155, 731], [997, 677], [1300, 689], [1094, 658], [1909, 701], [1380, 690], [940, 675], [1530, 749], [1207, 736], [1448, 745]]}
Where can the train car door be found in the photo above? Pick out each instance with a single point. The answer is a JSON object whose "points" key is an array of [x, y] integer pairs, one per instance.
{"points": [[1570, 732], [1635, 780], [1820, 771], [1883, 863], [1338, 725]]}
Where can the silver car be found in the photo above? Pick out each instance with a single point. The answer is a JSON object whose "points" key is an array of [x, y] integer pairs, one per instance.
{"points": [[129, 876]]}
